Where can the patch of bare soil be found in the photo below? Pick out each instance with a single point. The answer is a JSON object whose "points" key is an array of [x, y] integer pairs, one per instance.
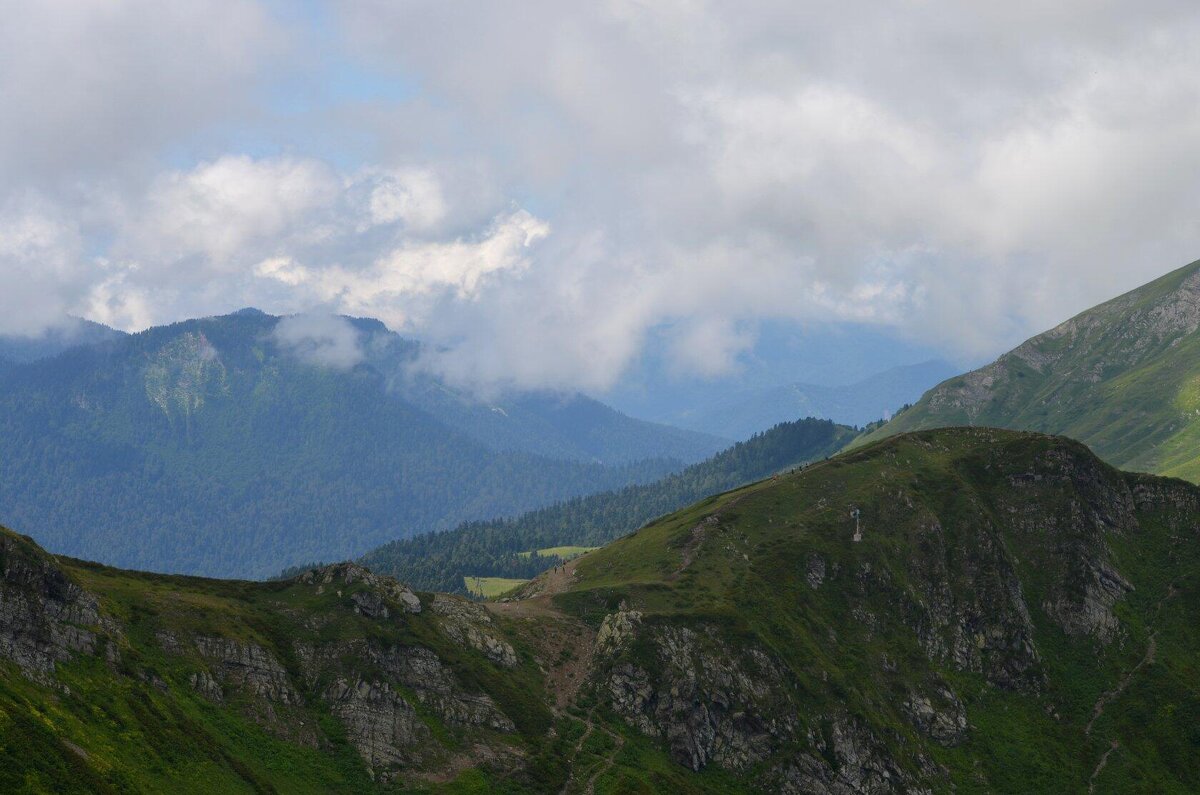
{"points": [[562, 645]]}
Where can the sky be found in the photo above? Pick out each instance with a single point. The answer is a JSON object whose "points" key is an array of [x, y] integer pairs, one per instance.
{"points": [[540, 189]]}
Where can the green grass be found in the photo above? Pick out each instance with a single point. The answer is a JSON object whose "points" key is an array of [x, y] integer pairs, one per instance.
{"points": [[1129, 393], [489, 587], [565, 552], [976, 519]]}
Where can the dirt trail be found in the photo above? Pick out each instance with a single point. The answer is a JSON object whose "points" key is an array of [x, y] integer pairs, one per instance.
{"points": [[618, 744], [1107, 697], [589, 786], [562, 644], [1100, 766]]}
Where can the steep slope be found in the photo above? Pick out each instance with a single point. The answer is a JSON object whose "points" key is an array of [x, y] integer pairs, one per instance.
{"points": [[973, 609], [741, 414], [964, 610], [1122, 377], [216, 446], [502, 548]]}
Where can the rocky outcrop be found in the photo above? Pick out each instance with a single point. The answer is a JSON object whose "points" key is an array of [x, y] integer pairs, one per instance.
{"points": [[377, 691], [373, 603], [45, 619], [382, 726], [250, 667], [847, 758], [707, 701], [942, 717], [470, 625]]}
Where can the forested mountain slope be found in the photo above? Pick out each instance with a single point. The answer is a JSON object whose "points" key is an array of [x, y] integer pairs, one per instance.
{"points": [[966, 610], [223, 446], [1123, 377], [501, 548]]}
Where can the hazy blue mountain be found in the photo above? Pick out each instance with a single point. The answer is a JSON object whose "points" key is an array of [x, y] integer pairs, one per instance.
{"points": [[71, 333], [784, 354], [743, 413], [226, 446]]}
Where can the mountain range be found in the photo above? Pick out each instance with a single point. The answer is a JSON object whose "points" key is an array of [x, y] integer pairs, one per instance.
{"points": [[966, 610], [238, 444], [740, 414], [851, 373], [1121, 377]]}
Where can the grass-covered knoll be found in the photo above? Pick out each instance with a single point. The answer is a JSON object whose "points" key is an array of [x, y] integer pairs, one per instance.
{"points": [[1014, 572], [502, 548], [1121, 377]]}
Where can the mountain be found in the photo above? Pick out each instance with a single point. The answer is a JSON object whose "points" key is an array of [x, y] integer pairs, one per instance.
{"points": [[237, 444], [962, 610], [71, 332], [1123, 377], [508, 547], [740, 414], [781, 354]]}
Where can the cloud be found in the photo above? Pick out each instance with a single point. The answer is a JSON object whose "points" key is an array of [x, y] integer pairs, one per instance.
{"points": [[559, 179], [325, 340], [40, 259], [92, 86]]}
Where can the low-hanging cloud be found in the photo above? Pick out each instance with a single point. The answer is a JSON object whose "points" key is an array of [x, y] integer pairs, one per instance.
{"points": [[321, 339]]}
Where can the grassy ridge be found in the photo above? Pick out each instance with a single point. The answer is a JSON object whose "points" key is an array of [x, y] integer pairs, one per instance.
{"points": [[1121, 377]]}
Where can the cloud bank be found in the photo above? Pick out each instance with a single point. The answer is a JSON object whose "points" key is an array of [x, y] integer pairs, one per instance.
{"points": [[534, 189]]}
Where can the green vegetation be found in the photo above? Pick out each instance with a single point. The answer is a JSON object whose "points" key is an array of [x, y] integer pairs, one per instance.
{"points": [[566, 552], [1121, 377], [489, 587], [948, 510], [209, 447], [439, 561], [1039, 603]]}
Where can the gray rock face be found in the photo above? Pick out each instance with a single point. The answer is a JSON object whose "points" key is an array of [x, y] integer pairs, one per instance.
{"points": [[470, 625], [384, 728], [250, 667], [849, 760], [372, 691], [991, 631], [45, 618], [943, 718], [709, 703], [371, 605]]}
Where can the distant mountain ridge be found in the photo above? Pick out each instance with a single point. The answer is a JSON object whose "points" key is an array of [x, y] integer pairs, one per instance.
{"points": [[741, 414], [221, 445], [1123, 377], [71, 332], [501, 548]]}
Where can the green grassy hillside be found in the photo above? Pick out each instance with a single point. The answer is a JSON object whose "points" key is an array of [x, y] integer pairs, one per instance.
{"points": [[965, 610], [1123, 377]]}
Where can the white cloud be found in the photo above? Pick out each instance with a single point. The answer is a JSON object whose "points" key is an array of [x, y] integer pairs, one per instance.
{"points": [[567, 176], [322, 339]]}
